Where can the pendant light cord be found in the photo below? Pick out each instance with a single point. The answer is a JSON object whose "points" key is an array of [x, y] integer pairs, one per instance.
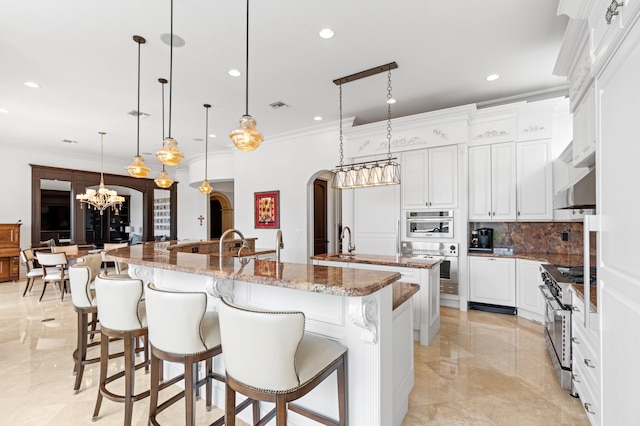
{"points": [[206, 141], [389, 97], [101, 157], [246, 74], [170, 68], [163, 82], [138, 114], [341, 137]]}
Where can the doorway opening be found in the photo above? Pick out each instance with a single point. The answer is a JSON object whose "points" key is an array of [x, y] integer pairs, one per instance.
{"points": [[220, 214], [324, 212]]}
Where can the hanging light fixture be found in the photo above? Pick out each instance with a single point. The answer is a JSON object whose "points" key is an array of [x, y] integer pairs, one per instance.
{"points": [[137, 168], [163, 180], [170, 155], [205, 188], [103, 198], [367, 173], [247, 137]]}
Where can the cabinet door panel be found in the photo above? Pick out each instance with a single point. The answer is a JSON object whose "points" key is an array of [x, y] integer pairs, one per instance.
{"points": [[480, 182], [376, 220], [528, 279], [414, 176], [443, 177], [535, 184], [492, 280], [503, 181]]}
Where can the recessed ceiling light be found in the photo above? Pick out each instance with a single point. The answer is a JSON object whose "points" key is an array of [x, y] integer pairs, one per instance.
{"points": [[317, 118], [212, 135], [326, 33], [32, 84], [492, 77], [4, 111], [234, 73]]}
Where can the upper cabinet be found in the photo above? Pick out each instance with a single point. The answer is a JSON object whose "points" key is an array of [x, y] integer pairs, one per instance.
{"points": [[534, 181], [584, 130], [430, 178], [492, 182]]}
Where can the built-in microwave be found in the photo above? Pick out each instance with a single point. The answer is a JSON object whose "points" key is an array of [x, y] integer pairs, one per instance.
{"points": [[429, 224]]}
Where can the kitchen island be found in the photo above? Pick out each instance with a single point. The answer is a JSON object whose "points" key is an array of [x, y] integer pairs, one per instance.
{"points": [[352, 306], [424, 272]]}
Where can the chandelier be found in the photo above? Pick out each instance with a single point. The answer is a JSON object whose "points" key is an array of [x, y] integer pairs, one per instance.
{"points": [[137, 168], [163, 180], [374, 172], [246, 137], [103, 198], [205, 188], [170, 155]]}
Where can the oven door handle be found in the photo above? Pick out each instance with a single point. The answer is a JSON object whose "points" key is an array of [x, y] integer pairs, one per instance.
{"points": [[545, 292]]}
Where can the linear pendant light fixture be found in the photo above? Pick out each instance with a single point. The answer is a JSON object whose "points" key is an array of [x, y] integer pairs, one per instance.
{"points": [[103, 198], [246, 137], [170, 155], [367, 173], [205, 188], [163, 180], [137, 168]]}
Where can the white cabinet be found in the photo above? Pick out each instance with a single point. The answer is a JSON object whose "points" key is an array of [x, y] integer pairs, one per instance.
{"points": [[430, 178], [492, 280], [376, 220], [492, 182], [530, 302], [534, 187], [584, 130]]}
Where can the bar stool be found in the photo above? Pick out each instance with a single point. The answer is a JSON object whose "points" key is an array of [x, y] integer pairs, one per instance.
{"points": [[122, 315], [119, 267], [269, 357], [81, 276], [182, 330], [27, 258]]}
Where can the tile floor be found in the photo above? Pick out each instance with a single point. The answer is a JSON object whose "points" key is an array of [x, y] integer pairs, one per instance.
{"points": [[481, 369]]}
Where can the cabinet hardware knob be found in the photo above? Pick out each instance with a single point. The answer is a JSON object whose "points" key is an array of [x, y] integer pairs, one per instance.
{"points": [[587, 407], [574, 308], [518, 213], [494, 213], [574, 377], [588, 363], [489, 213], [575, 340]]}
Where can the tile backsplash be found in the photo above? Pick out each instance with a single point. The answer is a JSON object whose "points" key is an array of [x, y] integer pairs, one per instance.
{"points": [[537, 237]]}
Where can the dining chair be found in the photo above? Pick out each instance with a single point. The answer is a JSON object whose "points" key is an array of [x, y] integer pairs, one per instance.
{"points": [[33, 272], [120, 267], [269, 357], [71, 250], [53, 270]]}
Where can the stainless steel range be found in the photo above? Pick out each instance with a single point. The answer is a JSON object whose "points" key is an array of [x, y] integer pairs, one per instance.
{"points": [[557, 333], [447, 252]]}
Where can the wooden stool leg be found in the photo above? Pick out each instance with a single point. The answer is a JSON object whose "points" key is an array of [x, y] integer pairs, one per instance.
{"points": [[281, 411], [155, 384], [129, 381], [256, 411], [209, 372], [80, 354], [230, 406], [189, 391], [342, 391], [104, 363]]}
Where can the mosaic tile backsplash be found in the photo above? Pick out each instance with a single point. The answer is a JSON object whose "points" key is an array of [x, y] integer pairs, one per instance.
{"points": [[537, 237]]}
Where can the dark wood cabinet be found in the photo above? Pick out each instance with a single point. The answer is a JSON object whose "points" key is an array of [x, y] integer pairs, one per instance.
{"points": [[108, 227], [9, 252]]}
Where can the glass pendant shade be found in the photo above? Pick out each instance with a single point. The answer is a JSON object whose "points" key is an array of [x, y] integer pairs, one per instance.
{"points": [[205, 188], [375, 177], [137, 168], [163, 180], [390, 174], [170, 155], [339, 179], [363, 176], [246, 137]]}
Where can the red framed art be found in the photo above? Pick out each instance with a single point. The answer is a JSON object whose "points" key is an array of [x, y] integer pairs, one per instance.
{"points": [[267, 209]]}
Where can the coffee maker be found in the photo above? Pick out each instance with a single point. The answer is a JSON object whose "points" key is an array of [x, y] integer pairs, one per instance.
{"points": [[482, 240]]}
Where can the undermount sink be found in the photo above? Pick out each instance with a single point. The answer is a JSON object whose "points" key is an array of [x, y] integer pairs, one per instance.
{"points": [[340, 256]]}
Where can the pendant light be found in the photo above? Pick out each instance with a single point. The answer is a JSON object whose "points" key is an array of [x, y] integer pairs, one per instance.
{"points": [[163, 180], [205, 188], [367, 173], [137, 168], [170, 155], [103, 198], [246, 137]]}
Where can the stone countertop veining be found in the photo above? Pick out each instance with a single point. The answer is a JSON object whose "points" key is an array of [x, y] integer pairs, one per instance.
{"points": [[306, 277], [373, 259]]}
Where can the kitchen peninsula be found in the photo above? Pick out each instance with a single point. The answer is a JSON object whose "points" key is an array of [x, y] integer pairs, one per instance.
{"points": [[424, 272], [353, 306]]}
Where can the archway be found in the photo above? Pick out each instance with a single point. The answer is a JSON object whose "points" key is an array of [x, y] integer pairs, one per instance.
{"points": [[220, 214], [331, 214]]}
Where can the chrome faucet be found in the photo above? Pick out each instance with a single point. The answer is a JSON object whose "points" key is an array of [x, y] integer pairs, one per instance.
{"points": [[227, 232], [279, 244], [350, 247]]}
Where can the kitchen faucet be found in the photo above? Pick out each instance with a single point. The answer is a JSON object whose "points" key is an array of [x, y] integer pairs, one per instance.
{"points": [[279, 244], [350, 247], [227, 232]]}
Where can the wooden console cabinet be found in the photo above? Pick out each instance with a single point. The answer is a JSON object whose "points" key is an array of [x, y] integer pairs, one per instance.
{"points": [[9, 252]]}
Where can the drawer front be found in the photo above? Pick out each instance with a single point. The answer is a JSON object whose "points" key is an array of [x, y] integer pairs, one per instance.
{"points": [[448, 288], [590, 402]]}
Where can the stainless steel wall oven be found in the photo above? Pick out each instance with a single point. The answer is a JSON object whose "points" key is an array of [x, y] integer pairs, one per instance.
{"points": [[429, 224], [447, 252]]}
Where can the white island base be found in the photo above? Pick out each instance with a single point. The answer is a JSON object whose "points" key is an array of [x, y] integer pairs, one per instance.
{"points": [[379, 341]]}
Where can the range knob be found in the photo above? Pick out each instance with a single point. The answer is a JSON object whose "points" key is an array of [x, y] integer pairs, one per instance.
{"points": [[452, 248]]}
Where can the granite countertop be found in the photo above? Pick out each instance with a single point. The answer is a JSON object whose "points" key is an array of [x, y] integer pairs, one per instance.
{"points": [[372, 259], [593, 295], [306, 277], [402, 292]]}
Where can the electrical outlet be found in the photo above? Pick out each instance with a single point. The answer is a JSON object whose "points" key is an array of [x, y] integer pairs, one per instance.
{"points": [[565, 236]]}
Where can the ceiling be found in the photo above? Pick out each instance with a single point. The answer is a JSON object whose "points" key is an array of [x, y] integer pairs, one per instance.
{"points": [[83, 56]]}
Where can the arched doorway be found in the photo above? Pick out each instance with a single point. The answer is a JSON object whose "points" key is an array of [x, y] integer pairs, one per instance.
{"points": [[220, 214]]}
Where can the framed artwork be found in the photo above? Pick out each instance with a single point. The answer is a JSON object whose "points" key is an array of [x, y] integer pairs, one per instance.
{"points": [[267, 209]]}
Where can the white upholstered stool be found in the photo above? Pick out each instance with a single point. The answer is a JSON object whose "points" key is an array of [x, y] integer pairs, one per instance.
{"points": [[269, 357], [122, 315], [182, 330]]}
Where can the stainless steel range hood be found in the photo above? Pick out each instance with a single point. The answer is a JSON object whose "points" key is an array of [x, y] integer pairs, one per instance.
{"points": [[580, 195]]}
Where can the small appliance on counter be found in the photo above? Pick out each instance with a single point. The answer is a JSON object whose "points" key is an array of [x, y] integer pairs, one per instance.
{"points": [[481, 240]]}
